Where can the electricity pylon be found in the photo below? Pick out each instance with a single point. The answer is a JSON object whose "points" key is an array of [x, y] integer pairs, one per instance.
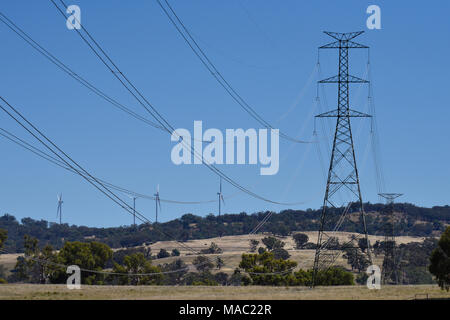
{"points": [[59, 208], [389, 271], [342, 172]]}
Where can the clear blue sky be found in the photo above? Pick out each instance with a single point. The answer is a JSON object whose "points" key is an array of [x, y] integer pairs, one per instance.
{"points": [[267, 50]]}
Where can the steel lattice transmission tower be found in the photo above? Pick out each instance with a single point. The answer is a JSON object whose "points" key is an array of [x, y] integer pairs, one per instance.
{"points": [[342, 172], [389, 271]]}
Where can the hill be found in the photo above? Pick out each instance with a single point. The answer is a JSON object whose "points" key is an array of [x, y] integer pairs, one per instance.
{"points": [[411, 221]]}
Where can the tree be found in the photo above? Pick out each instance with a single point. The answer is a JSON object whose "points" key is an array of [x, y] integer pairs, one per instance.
{"points": [[362, 244], [175, 253], [36, 266], [253, 245], [273, 243], [213, 248], [174, 272], [334, 276], [440, 260], [280, 253], [300, 240], [221, 278], [202, 264], [3, 237], [219, 263], [90, 256], [265, 270], [162, 254], [356, 259], [140, 270]]}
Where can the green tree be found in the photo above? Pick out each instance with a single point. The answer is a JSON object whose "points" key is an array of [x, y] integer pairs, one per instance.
{"points": [[253, 245], [139, 269], [36, 266], [362, 244], [174, 272], [213, 249], [162, 254], [300, 240], [175, 253], [202, 264], [91, 256], [440, 260], [281, 253], [334, 276], [3, 237], [219, 263], [265, 270], [273, 243]]}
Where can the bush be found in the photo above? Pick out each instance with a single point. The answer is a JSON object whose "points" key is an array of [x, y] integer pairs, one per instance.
{"points": [[163, 254], [440, 261], [281, 254], [300, 240]]}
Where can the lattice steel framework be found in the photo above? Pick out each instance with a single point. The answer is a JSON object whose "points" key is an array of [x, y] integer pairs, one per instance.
{"points": [[343, 172], [390, 270]]}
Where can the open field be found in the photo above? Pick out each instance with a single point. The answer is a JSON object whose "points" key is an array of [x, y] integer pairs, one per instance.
{"points": [[28, 291], [234, 246]]}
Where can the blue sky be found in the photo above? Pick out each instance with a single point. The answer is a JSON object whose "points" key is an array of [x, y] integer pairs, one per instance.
{"points": [[268, 51]]}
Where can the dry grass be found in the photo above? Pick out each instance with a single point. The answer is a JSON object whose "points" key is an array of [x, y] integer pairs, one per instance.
{"points": [[60, 292], [234, 246]]}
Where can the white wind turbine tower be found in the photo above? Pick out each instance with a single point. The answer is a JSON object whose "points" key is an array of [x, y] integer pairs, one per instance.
{"points": [[59, 208], [157, 202], [220, 195]]}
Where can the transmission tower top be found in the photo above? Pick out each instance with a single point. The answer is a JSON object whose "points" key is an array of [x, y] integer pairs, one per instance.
{"points": [[390, 197]]}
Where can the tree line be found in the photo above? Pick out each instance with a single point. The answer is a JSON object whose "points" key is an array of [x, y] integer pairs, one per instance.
{"points": [[432, 222]]}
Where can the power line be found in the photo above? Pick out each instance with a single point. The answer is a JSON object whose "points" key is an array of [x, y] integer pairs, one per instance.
{"points": [[8, 135], [63, 157], [62, 66], [80, 171], [131, 88], [206, 61]]}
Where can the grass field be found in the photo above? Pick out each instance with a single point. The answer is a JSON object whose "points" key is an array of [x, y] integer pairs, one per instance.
{"points": [[58, 292]]}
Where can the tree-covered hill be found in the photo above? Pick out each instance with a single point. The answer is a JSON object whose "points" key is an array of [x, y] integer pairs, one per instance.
{"points": [[411, 220]]}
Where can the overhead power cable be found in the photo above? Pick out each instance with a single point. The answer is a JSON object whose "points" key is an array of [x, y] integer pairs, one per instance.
{"points": [[143, 101], [209, 65], [14, 114], [13, 138], [57, 62], [68, 161]]}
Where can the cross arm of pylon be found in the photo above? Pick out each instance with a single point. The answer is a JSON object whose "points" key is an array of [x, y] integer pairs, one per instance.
{"points": [[335, 113], [350, 79], [346, 44], [343, 36]]}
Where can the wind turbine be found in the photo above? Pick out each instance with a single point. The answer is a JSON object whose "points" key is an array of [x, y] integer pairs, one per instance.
{"points": [[157, 202], [220, 195], [59, 208]]}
